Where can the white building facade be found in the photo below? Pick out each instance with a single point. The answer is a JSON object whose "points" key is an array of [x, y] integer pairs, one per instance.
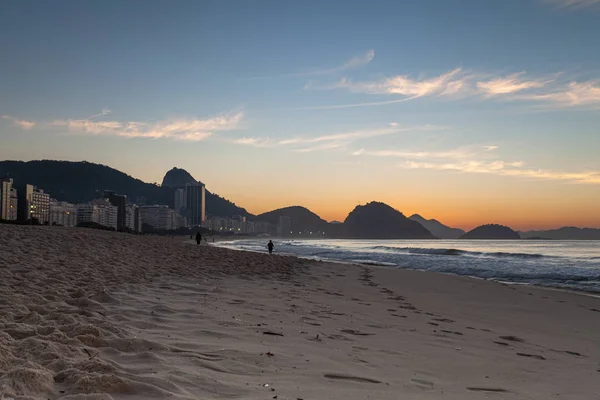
{"points": [[133, 219], [98, 211], [62, 213], [8, 200], [38, 204], [195, 203], [159, 217]]}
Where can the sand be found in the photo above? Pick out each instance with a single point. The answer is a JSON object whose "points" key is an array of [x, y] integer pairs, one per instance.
{"points": [[98, 315]]}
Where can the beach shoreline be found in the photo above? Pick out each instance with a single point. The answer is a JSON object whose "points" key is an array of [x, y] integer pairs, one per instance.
{"points": [[98, 315]]}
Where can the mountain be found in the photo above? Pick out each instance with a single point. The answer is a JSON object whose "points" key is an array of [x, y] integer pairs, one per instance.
{"points": [[379, 221], [437, 228], [564, 233], [492, 231], [177, 178], [302, 219], [79, 182]]}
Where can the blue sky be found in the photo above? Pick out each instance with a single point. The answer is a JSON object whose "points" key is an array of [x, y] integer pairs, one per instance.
{"points": [[486, 108]]}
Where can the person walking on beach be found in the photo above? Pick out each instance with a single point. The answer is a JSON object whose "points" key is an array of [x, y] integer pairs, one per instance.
{"points": [[198, 238], [270, 246]]}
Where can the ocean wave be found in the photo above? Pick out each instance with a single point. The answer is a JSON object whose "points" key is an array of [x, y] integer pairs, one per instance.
{"points": [[455, 252], [572, 266], [374, 263]]}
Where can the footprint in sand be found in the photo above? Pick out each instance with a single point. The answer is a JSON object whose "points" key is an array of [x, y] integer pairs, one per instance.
{"points": [[423, 383], [444, 320], [355, 332], [352, 378], [512, 339], [574, 353], [485, 389], [452, 332], [531, 356]]}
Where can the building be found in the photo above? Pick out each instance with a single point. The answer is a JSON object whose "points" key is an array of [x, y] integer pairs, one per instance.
{"points": [[284, 228], [119, 201], [8, 200], [99, 211], [180, 203], [195, 198], [33, 203], [237, 225], [133, 219], [159, 217], [179, 221], [62, 213]]}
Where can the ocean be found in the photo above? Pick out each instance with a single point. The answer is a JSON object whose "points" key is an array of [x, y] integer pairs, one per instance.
{"points": [[571, 265]]}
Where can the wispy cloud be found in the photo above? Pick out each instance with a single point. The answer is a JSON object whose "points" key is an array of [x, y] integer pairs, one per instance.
{"points": [[477, 160], [179, 129], [574, 3], [21, 123], [575, 94], [402, 85], [450, 154], [252, 141], [354, 62], [503, 168], [509, 84], [330, 141], [548, 90]]}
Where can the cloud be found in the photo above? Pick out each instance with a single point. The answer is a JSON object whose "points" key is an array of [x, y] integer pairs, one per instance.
{"points": [[451, 154], [477, 160], [503, 168], [354, 62], [446, 84], [575, 94], [21, 123], [353, 105], [549, 91], [331, 141], [105, 111], [574, 3], [507, 85], [255, 142], [180, 129]]}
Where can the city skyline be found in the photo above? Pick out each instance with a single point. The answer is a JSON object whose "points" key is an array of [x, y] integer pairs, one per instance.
{"points": [[466, 112]]}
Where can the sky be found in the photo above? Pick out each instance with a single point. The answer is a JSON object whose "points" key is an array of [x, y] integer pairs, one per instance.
{"points": [[467, 111]]}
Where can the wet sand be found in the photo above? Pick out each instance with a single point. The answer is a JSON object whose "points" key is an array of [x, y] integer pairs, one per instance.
{"points": [[88, 314]]}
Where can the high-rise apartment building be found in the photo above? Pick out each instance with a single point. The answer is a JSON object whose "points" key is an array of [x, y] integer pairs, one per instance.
{"points": [[99, 211], [284, 228], [159, 217], [195, 203], [119, 201], [62, 213], [33, 203], [133, 219], [8, 200], [180, 201]]}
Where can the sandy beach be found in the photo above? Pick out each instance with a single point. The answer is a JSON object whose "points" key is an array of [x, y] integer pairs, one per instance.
{"points": [[97, 315]]}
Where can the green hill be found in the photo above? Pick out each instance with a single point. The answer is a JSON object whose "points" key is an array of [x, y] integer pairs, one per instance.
{"points": [[78, 182], [491, 232], [379, 221], [302, 219]]}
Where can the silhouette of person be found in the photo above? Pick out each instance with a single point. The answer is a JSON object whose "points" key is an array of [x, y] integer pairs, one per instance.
{"points": [[270, 246], [198, 238]]}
